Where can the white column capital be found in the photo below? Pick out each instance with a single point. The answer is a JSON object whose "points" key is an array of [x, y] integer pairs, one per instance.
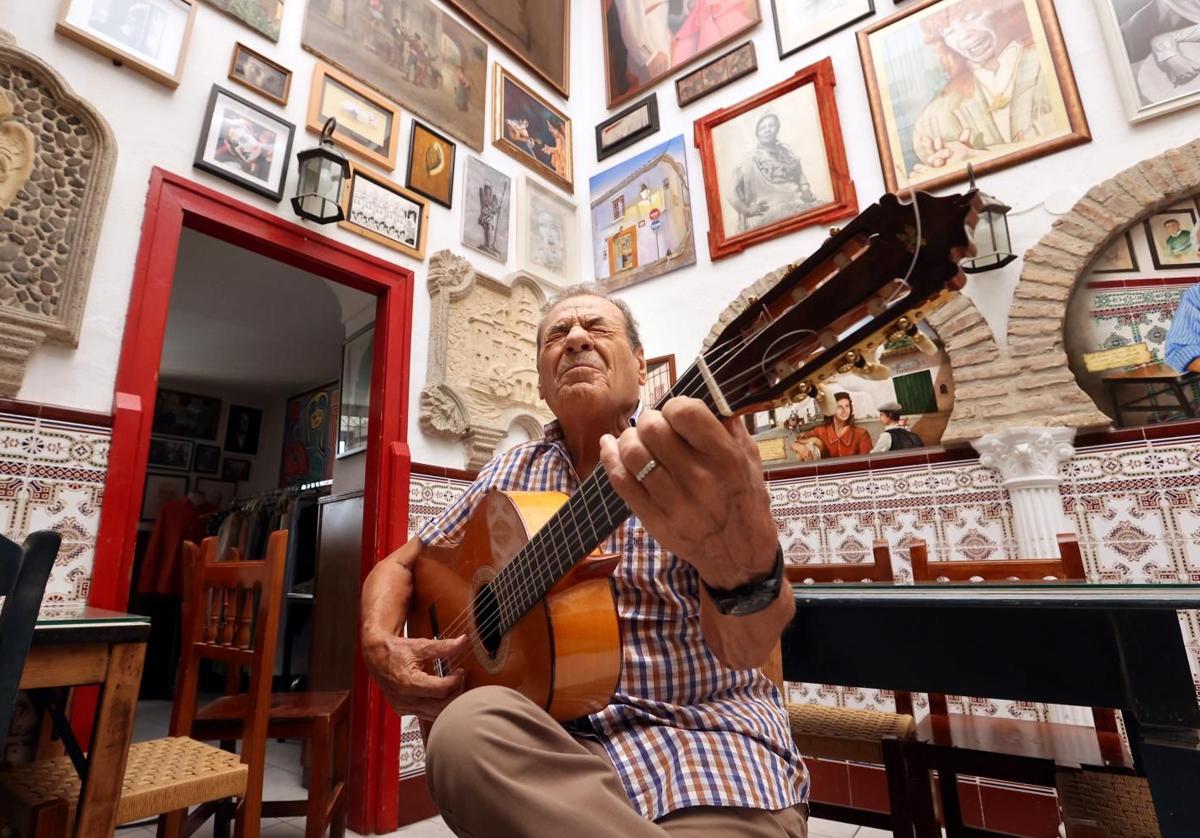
{"points": [[1027, 456]]}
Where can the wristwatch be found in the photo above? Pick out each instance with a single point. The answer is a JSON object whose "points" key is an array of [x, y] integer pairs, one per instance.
{"points": [[753, 596]]}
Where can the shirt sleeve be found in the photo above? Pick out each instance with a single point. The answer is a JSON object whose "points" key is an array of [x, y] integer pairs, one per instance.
{"points": [[447, 528], [883, 444], [1183, 339]]}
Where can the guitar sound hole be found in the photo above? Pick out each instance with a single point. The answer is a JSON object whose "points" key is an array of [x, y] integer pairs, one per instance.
{"points": [[487, 619]]}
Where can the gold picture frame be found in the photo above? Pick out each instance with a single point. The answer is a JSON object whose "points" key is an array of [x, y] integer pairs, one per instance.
{"points": [[378, 209], [243, 72], [133, 45], [529, 129], [550, 59], [332, 90]]}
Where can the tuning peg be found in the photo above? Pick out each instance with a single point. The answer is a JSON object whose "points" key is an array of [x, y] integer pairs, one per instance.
{"points": [[924, 344], [826, 403], [872, 371]]}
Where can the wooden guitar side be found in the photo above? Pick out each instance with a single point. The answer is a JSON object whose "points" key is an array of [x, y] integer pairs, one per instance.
{"points": [[565, 654]]}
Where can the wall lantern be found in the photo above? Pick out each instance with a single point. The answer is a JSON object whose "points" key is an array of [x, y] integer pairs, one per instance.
{"points": [[323, 170], [992, 243]]}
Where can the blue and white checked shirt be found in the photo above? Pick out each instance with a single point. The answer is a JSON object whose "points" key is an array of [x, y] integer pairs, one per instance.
{"points": [[1183, 338], [682, 729]]}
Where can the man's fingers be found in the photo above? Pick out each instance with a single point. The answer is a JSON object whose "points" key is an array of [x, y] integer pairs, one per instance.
{"points": [[421, 684], [429, 649]]}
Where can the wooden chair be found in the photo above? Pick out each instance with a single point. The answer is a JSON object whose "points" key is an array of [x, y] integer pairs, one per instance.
{"points": [[24, 572], [322, 719]]}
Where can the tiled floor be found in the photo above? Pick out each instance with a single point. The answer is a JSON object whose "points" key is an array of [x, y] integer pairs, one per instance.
{"points": [[435, 828]]}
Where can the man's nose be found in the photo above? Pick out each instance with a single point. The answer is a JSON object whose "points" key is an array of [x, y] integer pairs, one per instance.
{"points": [[578, 339]]}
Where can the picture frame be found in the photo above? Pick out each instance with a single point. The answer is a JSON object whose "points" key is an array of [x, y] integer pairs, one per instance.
{"points": [[486, 209], [547, 234], [242, 428], [660, 377], [800, 25], [256, 72], [244, 144], [159, 490], [175, 454], [310, 435], [540, 41], [813, 188], [663, 47], [186, 414], [207, 459], [385, 212], [263, 16], [1120, 257], [358, 353], [154, 44], [918, 87], [368, 124], [725, 69], [1146, 85], [1174, 237], [532, 131], [236, 468], [431, 160], [219, 492], [631, 125]]}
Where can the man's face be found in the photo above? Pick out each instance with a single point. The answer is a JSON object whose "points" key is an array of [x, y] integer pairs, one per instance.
{"points": [[971, 35], [842, 411], [586, 365], [1172, 227]]}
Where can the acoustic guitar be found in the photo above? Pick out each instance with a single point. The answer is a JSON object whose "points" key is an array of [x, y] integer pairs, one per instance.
{"points": [[524, 582]]}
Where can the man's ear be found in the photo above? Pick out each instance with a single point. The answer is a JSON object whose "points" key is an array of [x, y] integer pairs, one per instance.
{"points": [[641, 359]]}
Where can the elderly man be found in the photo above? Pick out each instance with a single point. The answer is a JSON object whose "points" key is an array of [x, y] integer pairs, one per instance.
{"points": [[1182, 348], [695, 740]]}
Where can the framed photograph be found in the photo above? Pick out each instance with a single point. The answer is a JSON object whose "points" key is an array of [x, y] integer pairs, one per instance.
{"points": [[358, 354], [160, 490], [220, 493], [242, 429], [170, 453], [263, 16], [644, 42], [642, 217], [1174, 238], [385, 212], [235, 468], [244, 144], [660, 376], [528, 128], [619, 132], [412, 52], [150, 36], [486, 203], [1118, 258], [740, 61], [927, 69], [186, 414], [367, 124], [775, 163], [1153, 49], [262, 75], [431, 164], [536, 34], [801, 24], [207, 459], [547, 234], [310, 436]]}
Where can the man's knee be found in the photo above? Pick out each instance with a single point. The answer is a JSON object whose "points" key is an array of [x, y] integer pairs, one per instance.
{"points": [[463, 731]]}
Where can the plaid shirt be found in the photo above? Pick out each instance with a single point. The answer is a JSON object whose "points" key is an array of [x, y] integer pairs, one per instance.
{"points": [[682, 729]]}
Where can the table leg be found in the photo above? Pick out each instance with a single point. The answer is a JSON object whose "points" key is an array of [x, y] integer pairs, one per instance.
{"points": [[111, 735], [1114, 393], [1188, 410]]}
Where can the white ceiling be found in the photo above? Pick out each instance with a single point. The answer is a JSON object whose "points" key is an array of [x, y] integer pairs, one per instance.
{"points": [[241, 319]]}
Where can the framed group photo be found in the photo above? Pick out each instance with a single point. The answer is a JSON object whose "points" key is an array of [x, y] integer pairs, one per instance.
{"points": [[368, 124], [255, 71], [385, 212], [150, 37], [245, 144], [529, 129], [431, 159]]}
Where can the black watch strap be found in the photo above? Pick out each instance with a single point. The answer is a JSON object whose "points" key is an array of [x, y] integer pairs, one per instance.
{"points": [[753, 596]]}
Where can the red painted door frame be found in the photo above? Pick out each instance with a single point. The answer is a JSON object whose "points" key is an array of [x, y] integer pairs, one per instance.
{"points": [[172, 204]]}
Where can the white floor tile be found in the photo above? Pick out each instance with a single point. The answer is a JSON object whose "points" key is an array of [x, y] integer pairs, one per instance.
{"points": [[871, 832], [818, 828], [432, 828]]}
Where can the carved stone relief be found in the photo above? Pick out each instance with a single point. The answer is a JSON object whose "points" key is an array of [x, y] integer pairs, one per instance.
{"points": [[56, 163], [482, 373]]}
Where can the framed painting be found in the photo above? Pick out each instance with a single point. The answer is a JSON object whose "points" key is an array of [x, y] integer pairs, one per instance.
{"points": [[646, 41], [528, 128], [619, 132], [411, 51], [1174, 238], [220, 493], [385, 212], [928, 75], [367, 124], [244, 144], [310, 436], [207, 459], [150, 37], [186, 414], [487, 204], [801, 23], [1155, 53], [358, 353], [170, 453], [535, 32], [160, 490], [547, 234], [242, 429], [740, 61], [775, 163], [642, 217], [263, 16], [1119, 257], [259, 73], [660, 375], [431, 164], [235, 468]]}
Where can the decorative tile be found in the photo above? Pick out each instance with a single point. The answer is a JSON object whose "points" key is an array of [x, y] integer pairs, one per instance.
{"points": [[412, 747]]}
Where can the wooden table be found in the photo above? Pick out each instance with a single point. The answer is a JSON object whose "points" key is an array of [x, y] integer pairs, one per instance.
{"points": [[76, 646], [1098, 645], [1166, 378]]}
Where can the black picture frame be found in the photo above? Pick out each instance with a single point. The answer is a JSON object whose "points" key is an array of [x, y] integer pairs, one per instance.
{"points": [[446, 199], [358, 355], [650, 103], [175, 454], [177, 413], [207, 459], [242, 429], [779, 37], [216, 167], [710, 84], [160, 489], [235, 468]]}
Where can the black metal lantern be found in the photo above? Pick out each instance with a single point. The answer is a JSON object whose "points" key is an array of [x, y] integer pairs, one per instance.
{"points": [[323, 170], [992, 243]]}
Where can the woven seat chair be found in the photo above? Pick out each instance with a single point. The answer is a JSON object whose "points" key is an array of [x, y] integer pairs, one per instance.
{"points": [[1103, 804]]}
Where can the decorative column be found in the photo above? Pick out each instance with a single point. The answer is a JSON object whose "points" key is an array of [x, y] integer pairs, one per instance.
{"points": [[1028, 461]]}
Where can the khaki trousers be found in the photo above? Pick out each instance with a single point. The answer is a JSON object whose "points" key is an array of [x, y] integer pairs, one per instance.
{"points": [[499, 766]]}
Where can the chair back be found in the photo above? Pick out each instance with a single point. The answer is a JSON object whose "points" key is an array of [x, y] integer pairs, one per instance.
{"points": [[24, 570]]}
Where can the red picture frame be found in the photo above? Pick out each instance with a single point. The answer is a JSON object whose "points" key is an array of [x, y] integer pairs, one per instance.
{"points": [[844, 200]]}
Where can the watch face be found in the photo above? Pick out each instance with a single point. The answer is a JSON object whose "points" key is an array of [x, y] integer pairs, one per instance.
{"points": [[752, 603]]}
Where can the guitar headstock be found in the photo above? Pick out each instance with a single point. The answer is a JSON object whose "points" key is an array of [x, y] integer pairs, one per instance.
{"points": [[873, 281]]}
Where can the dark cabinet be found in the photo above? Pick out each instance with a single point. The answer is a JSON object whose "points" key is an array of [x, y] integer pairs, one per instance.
{"points": [[335, 600]]}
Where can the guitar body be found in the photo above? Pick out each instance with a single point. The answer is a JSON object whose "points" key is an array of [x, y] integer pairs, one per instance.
{"points": [[565, 653]]}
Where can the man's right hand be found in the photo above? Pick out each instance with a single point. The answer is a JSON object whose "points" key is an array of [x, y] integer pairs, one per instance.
{"points": [[398, 665]]}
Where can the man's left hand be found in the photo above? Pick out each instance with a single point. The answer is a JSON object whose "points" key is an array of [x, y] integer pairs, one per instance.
{"points": [[705, 499]]}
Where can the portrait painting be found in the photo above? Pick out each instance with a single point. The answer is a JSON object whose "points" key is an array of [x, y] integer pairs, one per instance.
{"points": [[385, 212], [711, 77], [487, 203], [547, 234], [263, 16], [244, 144], [170, 453], [622, 130], [367, 123], [242, 429], [431, 164], [528, 128], [984, 82], [645, 41], [412, 52], [801, 23], [186, 414], [775, 163], [160, 490], [641, 214], [1174, 237], [358, 354], [310, 436], [1154, 47], [260, 74], [1118, 257], [660, 376], [207, 459], [536, 32], [150, 36]]}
